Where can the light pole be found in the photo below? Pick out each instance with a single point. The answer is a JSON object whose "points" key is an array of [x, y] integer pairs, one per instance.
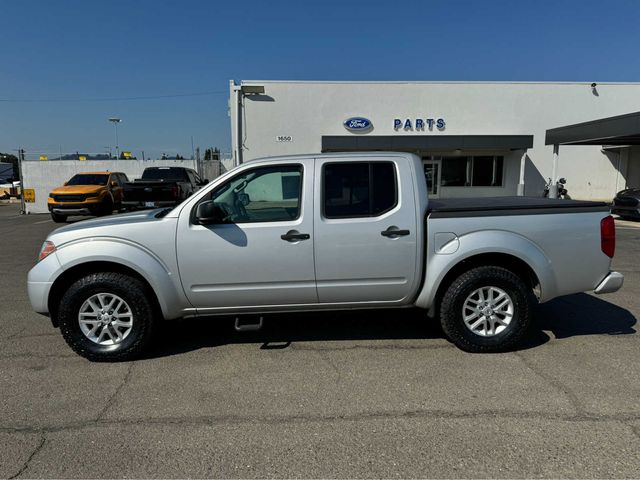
{"points": [[115, 122]]}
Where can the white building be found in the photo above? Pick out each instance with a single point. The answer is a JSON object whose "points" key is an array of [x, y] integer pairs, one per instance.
{"points": [[476, 138]]}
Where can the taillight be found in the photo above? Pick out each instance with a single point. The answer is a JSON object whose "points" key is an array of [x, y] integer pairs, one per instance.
{"points": [[608, 236], [47, 249]]}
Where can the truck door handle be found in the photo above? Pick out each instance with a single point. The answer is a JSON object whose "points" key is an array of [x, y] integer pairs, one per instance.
{"points": [[393, 232], [294, 236]]}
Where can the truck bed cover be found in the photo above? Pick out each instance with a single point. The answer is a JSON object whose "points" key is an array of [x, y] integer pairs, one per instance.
{"points": [[494, 206]]}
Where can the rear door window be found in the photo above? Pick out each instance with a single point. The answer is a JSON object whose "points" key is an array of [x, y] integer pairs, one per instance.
{"points": [[359, 189]]}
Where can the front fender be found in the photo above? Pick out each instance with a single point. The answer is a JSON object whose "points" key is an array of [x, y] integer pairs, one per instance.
{"points": [[164, 282], [483, 242]]}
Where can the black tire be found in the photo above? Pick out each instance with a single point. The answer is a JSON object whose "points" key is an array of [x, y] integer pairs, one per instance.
{"points": [[451, 310], [134, 292], [106, 208], [56, 217]]}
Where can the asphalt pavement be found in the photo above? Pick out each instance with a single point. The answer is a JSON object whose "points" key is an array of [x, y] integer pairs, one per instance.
{"points": [[366, 394]]}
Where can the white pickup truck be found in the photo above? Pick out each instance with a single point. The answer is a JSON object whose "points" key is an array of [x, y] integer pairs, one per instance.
{"points": [[331, 231]]}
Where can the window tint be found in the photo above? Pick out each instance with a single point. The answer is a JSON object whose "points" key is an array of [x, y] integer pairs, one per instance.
{"points": [[174, 174], [89, 179], [482, 172], [268, 194], [358, 189], [454, 171]]}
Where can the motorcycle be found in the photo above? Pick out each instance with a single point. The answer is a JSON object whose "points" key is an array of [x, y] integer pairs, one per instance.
{"points": [[560, 187]]}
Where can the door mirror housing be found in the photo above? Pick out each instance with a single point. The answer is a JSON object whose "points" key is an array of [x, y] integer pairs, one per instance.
{"points": [[114, 183], [209, 213], [244, 199]]}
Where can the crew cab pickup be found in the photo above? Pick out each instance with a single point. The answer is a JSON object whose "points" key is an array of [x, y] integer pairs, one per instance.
{"points": [[322, 232], [161, 187]]}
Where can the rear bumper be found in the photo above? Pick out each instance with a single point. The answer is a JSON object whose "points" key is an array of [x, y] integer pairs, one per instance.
{"points": [[611, 283]]}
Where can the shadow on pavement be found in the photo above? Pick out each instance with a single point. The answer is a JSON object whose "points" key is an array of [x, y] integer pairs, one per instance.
{"points": [[280, 330], [583, 314], [565, 317]]}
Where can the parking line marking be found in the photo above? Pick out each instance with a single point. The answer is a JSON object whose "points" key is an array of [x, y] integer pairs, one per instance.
{"points": [[42, 221]]}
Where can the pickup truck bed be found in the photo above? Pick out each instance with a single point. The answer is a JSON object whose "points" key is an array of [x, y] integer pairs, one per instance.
{"points": [[495, 206]]}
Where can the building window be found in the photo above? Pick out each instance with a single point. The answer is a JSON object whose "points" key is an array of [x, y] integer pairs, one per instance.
{"points": [[479, 171], [362, 189], [454, 171]]}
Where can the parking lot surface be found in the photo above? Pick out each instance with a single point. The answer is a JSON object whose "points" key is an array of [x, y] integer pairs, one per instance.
{"points": [[366, 394]]}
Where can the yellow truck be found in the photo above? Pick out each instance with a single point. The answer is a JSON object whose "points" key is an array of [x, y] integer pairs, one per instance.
{"points": [[87, 193]]}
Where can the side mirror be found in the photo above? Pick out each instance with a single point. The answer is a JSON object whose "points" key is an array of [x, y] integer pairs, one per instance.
{"points": [[114, 184], [203, 182], [244, 199], [208, 213], [66, 183]]}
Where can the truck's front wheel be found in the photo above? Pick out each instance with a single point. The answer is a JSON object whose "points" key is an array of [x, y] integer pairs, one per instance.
{"points": [[106, 316], [56, 217], [486, 309]]}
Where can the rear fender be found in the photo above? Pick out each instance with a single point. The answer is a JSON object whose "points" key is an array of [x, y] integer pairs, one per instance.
{"points": [[483, 242]]}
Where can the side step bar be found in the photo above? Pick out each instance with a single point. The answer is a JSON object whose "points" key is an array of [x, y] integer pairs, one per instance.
{"points": [[248, 327]]}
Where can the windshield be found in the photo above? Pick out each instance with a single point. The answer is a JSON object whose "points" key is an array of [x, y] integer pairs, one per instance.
{"points": [[162, 173], [88, 179]]}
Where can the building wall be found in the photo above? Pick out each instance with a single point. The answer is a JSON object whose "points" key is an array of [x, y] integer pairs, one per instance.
{"points": [[307, 110]]}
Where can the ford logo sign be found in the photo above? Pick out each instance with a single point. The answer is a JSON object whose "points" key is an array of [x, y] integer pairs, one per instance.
{"points": [[357, 124]]}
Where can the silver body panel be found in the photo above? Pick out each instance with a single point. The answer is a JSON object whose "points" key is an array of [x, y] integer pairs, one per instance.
{"points": [[245, 264], [346, 263]]}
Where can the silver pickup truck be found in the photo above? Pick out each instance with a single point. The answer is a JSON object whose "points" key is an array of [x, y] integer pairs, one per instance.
{"points": [[330, 232]]}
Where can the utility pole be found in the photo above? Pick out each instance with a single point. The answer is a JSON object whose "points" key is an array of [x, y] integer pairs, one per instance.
{"points": [[115, 122], [23, 208]]}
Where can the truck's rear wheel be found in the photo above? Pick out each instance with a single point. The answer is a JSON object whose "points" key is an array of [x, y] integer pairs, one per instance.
{"points": [[486, 309], [107, 316]]}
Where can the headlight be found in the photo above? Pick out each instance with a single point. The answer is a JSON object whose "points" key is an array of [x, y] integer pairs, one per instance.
{"points": [[47, 249]]}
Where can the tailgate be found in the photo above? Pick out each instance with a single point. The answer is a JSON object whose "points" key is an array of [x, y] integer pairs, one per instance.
{"points": [[150, 191]]}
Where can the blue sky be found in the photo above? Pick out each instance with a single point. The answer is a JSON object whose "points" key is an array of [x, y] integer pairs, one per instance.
{"points": [[56, 55]]}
